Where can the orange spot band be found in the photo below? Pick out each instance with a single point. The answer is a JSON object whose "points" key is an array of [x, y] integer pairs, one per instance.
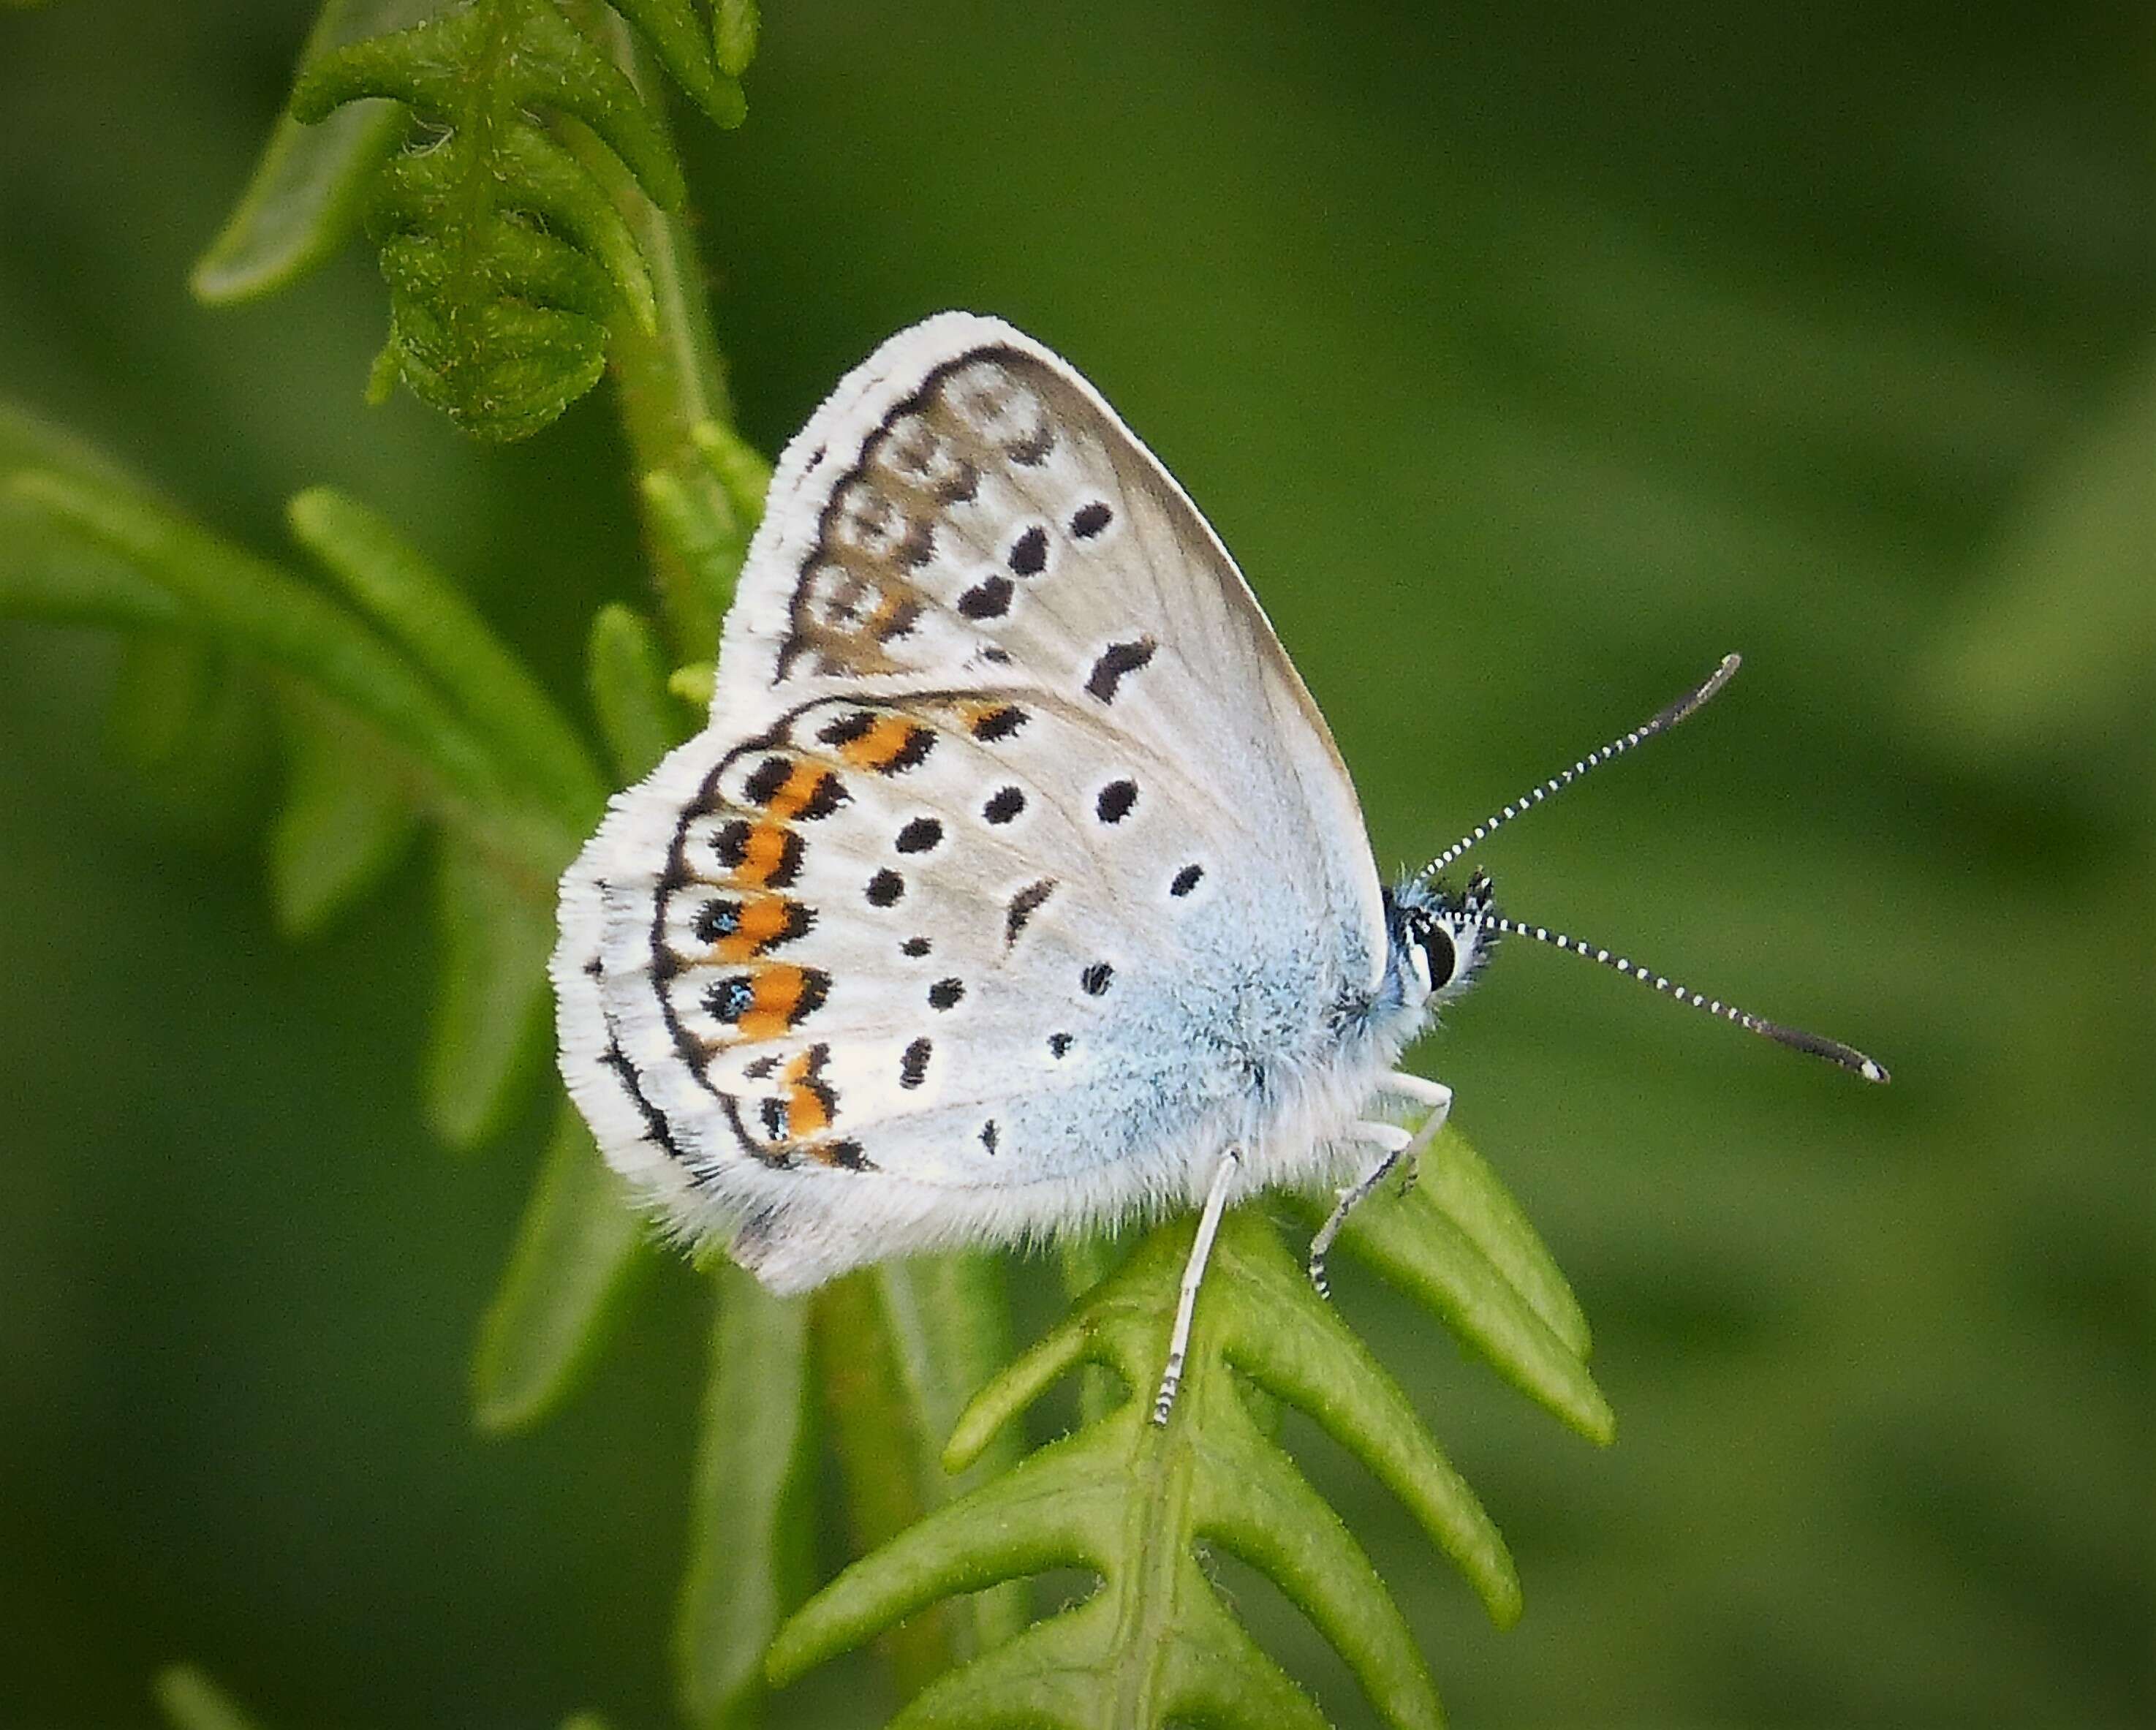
{"points": [[779, 993], [796, 791], [762, 923], [761, 853], [879, 747]]}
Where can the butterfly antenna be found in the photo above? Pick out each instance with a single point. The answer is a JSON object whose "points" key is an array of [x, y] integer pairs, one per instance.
{"points": [[1833, 1050], [1639, 735]]}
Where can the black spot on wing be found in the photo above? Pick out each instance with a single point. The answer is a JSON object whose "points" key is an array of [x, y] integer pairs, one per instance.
{"points": [[1003, 805], [1116, 662], [1023, 905], [919, 835], [944, 993], [913, 1063], [1095, 979], [848, 728], [1029, 553], [1000, 723], [885, 888], [1088, 521], [1185, 880], [988, 598], [1116, 801], [764, 782]]}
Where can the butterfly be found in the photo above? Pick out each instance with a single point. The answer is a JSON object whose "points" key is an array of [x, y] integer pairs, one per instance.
{"points": [[1016, 884]]}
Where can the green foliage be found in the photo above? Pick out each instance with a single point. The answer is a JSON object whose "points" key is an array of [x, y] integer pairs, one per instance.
{"points": [[507, 253], [638, 715], [749, 1516], [345, 821], [574, 1251], [1138, 1505], [447, 639], [436, 717]]}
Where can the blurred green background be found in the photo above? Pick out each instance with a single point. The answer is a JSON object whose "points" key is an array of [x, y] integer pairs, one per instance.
{"points": [[1529, 359]]}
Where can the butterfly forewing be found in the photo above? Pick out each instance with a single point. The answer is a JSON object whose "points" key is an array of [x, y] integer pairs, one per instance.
{"points": [[1011, 821]]}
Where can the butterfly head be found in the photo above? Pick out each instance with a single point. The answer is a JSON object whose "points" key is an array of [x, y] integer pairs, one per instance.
{"points": [[1441, 936]]}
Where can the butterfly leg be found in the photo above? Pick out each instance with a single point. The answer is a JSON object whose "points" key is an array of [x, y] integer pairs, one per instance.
{"points": [[1193, 1272], [1392, 1143], [1400, 1084], [1395, 1145]]}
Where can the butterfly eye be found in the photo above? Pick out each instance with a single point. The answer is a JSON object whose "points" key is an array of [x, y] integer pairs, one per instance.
{"points": [[1439, 957]]}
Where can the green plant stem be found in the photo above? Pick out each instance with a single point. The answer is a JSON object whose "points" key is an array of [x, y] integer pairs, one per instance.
{"points": [[668, 380], [879, 1449]]}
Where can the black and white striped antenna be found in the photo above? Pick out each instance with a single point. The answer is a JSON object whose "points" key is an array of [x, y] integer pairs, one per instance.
{"points": [[1473, 906], [1686, 705]]}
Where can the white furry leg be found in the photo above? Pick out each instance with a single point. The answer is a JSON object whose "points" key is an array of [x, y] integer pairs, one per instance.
{"points": [[1400, 1084], [1193, 1274], [1418, 1091], [1394, 1145]]}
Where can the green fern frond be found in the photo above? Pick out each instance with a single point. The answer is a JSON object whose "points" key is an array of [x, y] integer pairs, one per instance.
{"points": [[431, 715], [1138, 1505], [504, 257]]}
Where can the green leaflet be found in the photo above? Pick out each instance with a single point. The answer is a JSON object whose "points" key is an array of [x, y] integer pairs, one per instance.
{"points": [[308, 188], [191, 1701], [749, 1518], [575, 1247], [948, 1322], [734, 27], [50, 569], [695, 683], [345, 820], [447, 638], [490, 1023], [702, 507], [1138, 1505], [638, 717], [504, 257], [696, 52], [260, 612], [1460, 1243]]}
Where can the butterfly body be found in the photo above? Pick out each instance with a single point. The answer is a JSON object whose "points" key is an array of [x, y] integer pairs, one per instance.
{"points": [[1015, 883]]}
